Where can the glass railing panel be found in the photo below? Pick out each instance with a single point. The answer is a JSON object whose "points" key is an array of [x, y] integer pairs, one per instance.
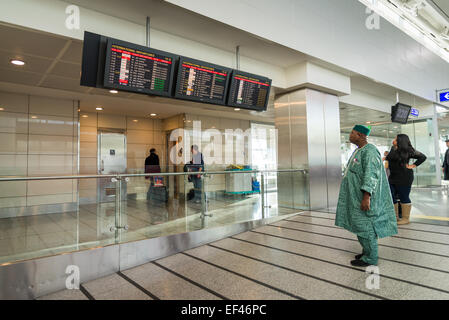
{"points": [[51, 220], [159, 205], [231, 198], [64, 214], [291, 194]]}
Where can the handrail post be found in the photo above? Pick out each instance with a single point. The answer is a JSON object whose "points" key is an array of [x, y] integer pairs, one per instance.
{"points": [[262, 193], [203, 197], [118, 196]]}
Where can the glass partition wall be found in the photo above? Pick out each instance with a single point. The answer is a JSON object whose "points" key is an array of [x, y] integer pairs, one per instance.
{"points": [[443, 134], [384, 132]]}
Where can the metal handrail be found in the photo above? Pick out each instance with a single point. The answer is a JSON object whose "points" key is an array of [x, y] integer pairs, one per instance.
{"points": [[119, 176]]}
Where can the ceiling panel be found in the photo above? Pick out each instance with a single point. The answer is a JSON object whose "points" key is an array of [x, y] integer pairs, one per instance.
{"points": [[28, 42], [33, 63], [63, 84], [28, 78], [74, 53], [443, 5], [67, 70]]}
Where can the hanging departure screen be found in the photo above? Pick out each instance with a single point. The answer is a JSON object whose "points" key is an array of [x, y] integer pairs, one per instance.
{"points": [[202, 81], [139, 69], [249, 91]]}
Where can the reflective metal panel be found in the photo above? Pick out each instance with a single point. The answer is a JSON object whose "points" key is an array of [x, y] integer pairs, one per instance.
{"points": [[35, 278], [283, 126], [317, 149], [309, 133], [333, 153]]}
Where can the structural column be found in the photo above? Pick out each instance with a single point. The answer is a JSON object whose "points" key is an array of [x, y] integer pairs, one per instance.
{"points": [[308, 124]]}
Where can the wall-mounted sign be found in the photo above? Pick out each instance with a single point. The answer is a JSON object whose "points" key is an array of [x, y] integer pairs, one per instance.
{"points": [[414, 112], [444, 96]]}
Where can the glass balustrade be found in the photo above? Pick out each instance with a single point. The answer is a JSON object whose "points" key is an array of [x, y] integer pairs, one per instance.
{"points": [[110, 209]]}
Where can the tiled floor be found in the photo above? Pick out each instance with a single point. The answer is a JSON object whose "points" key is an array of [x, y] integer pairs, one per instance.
{"points": [[427, 204], [302, 257], [44, 235]]}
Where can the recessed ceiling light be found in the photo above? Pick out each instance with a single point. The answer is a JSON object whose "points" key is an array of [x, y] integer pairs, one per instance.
{"points": [[33, 117], [113, 91], [85, 116], [2, 109], [99, 108], [153, 114], [17, 62], [237, 109], [135, 120]]}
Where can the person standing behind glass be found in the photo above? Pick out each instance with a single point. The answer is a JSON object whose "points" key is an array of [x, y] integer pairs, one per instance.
{"points": [[401, 174], [446, 162], [152, 164], [197, 166]]}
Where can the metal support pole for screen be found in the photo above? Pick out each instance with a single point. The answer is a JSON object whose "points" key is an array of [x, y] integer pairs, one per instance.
{"points": [[148, 33], [237, 57]]}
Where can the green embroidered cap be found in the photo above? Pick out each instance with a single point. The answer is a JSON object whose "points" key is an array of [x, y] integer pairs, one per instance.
{"points": [[363, 129]]}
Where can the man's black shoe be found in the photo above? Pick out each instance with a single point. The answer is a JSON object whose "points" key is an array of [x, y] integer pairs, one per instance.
{"points": [[360, 263], [359, 256]]}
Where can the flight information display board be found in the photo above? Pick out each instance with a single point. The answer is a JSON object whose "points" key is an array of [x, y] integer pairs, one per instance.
{"points": [[202, 81], [249, 91], [140, 69], [400, 113]]}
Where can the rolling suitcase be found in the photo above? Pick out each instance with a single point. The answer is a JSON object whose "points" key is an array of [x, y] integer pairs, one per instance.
{"points": [[159, 193]]}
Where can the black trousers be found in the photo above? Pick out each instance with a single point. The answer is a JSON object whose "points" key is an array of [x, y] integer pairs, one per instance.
{"points": [[401, 192]]}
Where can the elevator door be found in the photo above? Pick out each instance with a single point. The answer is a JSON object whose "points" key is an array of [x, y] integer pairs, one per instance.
{"points": [[111, 160]]}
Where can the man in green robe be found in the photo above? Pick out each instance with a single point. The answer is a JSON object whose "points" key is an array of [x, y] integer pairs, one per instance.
{"points": [[365, 206]]}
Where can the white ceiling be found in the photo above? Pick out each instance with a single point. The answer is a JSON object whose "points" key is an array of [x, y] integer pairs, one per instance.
{"points": [[57, 65], [387, 92], [54, 68], [172, 19], [443, 5]]}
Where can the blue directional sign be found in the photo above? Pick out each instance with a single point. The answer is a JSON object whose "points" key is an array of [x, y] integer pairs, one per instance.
{"points": [[444, 96], [414, 112]]}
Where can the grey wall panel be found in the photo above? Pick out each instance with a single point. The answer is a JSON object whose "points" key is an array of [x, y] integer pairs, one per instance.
{"points": [[284, 143], [308, 124], [317, 149], [34, 278], [333, 151], [298, 123], [282, 123]]}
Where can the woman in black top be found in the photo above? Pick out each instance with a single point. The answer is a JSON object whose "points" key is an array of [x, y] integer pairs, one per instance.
{"points": [[152, 164], [401, 174]]}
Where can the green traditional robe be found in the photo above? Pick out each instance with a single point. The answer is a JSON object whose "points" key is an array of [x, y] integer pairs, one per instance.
{"points": [[366, 172]]}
